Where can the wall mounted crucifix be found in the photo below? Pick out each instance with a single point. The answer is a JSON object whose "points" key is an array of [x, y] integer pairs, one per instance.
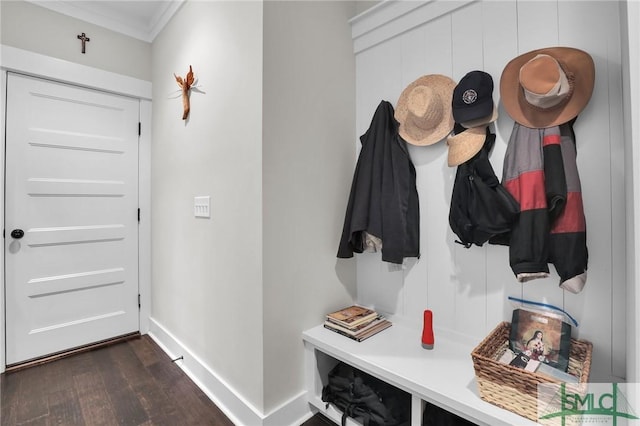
{"points": [[83, 37]]}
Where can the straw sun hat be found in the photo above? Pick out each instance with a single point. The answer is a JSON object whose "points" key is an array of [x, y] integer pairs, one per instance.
{"points": [[547, 87], [465, 143], [424, 110]]}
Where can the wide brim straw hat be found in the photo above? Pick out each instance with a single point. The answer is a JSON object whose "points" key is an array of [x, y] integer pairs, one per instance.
{"points": [[424, 110], [547, 87], [464, 145]]}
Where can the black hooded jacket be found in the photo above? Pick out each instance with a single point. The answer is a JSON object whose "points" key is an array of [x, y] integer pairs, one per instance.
{"points": [[384, 200]]}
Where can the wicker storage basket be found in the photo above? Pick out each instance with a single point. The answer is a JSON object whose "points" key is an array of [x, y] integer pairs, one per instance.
{"points": [[515, 389]]}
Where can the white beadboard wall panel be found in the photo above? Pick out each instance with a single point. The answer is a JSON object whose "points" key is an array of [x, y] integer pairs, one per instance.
{"points": [[472, 58], [437, 49], [619, 276], [426, 46], [614, 134], [631, 85], [469, 292], [415, 290], [415, 276], [537, 24], [467, 289], [419, 57], [383, 284], [602, 196], [499, 46], [600, 184], [382, 81], [434, 183]]}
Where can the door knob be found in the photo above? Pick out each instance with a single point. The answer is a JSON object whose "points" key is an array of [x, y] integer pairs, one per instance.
{"points": [[17, 234]]}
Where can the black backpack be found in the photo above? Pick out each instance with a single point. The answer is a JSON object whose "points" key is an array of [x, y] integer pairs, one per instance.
{"points": [[365, 398], [481, 208]]}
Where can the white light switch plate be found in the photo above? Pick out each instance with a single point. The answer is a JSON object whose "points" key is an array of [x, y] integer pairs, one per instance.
{"points": [[202, 206]]}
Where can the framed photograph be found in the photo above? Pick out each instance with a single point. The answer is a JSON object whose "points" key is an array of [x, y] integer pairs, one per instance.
{"points": [[541, 336]]}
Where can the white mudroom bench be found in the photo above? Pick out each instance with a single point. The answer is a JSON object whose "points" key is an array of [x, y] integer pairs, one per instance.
{"points": [[443, 376]]}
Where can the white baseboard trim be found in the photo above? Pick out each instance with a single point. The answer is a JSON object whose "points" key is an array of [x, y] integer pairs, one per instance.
{"points": [[232, 405], [294, 412]]}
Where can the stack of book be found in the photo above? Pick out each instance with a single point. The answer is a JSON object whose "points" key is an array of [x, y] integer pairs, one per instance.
{"points": [[356, 322]]}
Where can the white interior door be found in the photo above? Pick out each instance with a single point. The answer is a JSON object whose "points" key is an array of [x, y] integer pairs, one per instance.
{"points": [[71, 238]]}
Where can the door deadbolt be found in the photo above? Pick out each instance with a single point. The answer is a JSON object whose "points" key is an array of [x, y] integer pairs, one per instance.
{"points": [[17, 234]]}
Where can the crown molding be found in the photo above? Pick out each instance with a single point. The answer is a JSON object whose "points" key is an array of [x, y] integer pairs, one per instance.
{"points": [[114, 17], [390, 18]]}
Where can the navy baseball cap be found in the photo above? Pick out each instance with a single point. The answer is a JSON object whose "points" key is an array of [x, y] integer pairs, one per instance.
{"points": [[473, 97]]}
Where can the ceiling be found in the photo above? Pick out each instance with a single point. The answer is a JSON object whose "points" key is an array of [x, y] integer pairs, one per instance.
{"points": [[140, 19]]}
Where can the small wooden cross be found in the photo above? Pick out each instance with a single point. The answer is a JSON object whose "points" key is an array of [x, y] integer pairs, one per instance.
{"points": [[83, 37]]}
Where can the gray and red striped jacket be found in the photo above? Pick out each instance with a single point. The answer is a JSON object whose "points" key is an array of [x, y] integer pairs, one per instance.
{"points": [[541, 173]]}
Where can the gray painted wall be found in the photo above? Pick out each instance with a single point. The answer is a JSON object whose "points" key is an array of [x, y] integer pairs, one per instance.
{"points": [[34, 28], [308, 159], [271, 141], [207, 273]]}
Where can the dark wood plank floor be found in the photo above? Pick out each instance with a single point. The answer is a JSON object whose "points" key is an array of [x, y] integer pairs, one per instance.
{"points": [[129, 383], [318, 420]]}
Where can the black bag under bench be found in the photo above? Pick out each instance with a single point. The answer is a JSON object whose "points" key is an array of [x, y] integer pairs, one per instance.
{"points": [[365, 398]]}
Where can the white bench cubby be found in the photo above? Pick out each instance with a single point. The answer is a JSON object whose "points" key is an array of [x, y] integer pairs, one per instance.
{"points": [[443, 375]]}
